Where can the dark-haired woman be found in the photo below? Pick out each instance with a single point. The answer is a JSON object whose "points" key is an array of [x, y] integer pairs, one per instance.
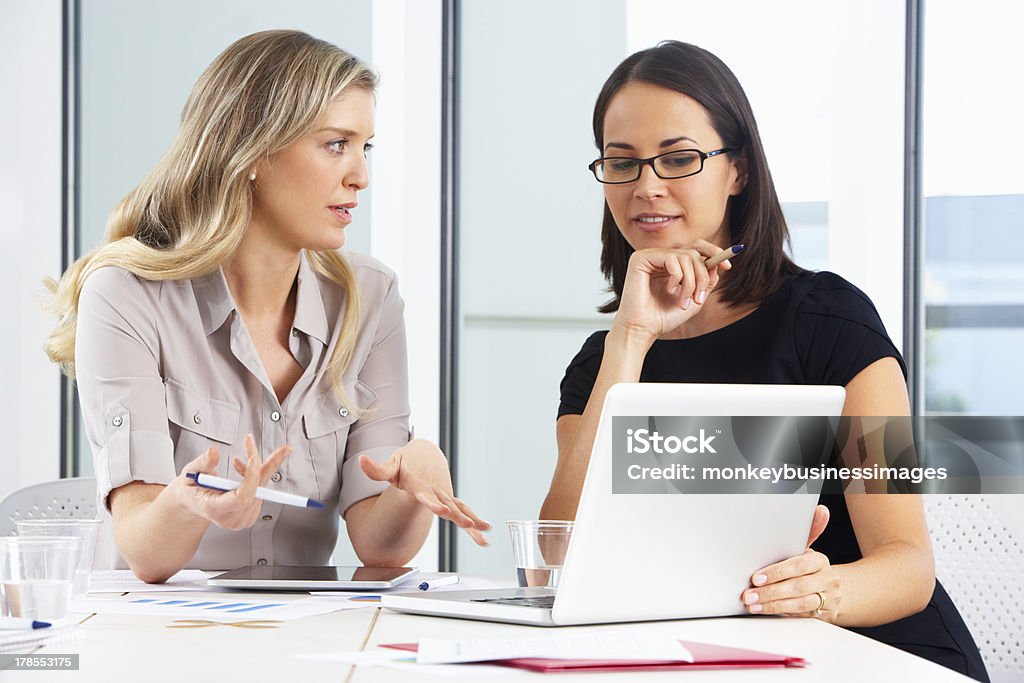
{"points": [[685, 177]]}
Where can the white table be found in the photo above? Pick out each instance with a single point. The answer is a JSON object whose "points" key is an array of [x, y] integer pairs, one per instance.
{"points": [[114, 648], [835, 654]]}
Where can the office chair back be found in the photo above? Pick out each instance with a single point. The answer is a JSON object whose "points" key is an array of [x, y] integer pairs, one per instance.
{"points": [[67, 498], [979, 557], [63, 498]]}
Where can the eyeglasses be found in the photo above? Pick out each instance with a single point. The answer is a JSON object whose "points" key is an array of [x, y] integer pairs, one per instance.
{"points": [[668, 166]]}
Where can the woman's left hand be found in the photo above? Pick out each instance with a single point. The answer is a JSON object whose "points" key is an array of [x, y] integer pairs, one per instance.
{"points": [[802, 586], [420, 469]]}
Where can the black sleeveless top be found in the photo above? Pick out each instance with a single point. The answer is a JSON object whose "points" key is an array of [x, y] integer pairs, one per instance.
{"points": [[815, 329]]}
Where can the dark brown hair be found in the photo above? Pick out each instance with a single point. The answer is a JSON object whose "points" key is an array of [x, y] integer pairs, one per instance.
{"points": [[755, 216]]}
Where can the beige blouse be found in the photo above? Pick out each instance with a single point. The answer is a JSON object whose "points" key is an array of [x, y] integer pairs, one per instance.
{"points": [[167, 369]]}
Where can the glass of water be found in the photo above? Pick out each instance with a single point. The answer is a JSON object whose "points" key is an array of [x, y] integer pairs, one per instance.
{"points": [[539, 547], [36, 574], [86, 529]]}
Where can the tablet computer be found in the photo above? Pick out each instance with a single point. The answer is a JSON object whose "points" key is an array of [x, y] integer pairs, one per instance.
{"points": [[281, 577]]}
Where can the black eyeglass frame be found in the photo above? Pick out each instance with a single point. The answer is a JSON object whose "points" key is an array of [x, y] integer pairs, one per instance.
{"points": [[704, 156]]}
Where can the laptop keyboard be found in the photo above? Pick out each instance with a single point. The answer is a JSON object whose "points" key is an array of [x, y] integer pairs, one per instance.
{"points": [[543, 601]]}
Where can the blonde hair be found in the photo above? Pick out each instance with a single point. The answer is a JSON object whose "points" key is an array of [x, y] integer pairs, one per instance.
{"points": [[187, 217]]}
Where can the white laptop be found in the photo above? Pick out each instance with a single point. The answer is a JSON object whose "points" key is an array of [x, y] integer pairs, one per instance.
{"points": [[645, 557]]}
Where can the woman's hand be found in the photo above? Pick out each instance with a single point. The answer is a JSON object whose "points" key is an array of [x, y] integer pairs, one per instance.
{"points": [[666, 287], [420, 469], [801, 586], [238, 509]]}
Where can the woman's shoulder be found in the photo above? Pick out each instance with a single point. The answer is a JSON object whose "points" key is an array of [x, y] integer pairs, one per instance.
{"points": [[369, 269], [375, 280], [594, 344], [113, 297], [826, 294], [588, 359], [110, 278], [837, 330], [124, 286], [580, 375]]}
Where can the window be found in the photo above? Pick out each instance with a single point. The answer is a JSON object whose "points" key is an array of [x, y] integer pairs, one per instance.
{"points": [[973, 280]]}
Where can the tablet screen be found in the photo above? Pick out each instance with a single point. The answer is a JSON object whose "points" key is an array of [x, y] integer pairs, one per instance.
{"points": [[288, 578], [347, 574]]}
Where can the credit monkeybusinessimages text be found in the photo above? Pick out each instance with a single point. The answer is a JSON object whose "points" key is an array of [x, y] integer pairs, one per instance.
{"points": [[900, 454], [643, 441], [786, 473]]}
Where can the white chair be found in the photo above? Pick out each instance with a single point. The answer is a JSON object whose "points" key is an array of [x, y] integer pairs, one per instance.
{"points": [[71, 498], [979, 558], [49, 500]]}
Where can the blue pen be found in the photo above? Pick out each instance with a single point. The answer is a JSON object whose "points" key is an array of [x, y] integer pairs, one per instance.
{"points": [[208, 481], [439, 581], [21, 624]]}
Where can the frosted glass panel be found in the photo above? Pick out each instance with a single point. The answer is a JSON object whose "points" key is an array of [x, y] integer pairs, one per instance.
{"points": [[529, 220], [974, 209], [507, 451]]}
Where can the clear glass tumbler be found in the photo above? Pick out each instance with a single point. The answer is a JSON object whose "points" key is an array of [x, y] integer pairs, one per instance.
{"points": [[86, 529], [539, 547], [36, 573]]}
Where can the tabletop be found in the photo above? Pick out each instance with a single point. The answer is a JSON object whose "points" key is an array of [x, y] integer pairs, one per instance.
{"points": [[118, 647]]}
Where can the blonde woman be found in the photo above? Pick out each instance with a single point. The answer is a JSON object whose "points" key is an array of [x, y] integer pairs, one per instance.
{"points": [[219, 319]]}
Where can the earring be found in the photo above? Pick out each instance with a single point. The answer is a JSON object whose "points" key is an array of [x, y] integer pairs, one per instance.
{"points": [[252, 176]]}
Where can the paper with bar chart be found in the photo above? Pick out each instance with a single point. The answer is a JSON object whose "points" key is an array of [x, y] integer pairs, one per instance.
{"points": [[215, 606]]}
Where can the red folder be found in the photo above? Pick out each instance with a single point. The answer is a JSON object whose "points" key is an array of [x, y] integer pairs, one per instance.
{"points": [[705, 656]]}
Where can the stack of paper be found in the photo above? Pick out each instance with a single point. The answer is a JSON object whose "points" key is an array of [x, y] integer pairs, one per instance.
{"points": [[23, 641], [217, 606], [124, 581], [597, 651], [624, 645], [608, 650]]}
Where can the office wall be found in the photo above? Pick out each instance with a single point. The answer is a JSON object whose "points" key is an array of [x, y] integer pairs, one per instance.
{"points": [[973, 294], [529, 281], [30, 236], [406, 169]]}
